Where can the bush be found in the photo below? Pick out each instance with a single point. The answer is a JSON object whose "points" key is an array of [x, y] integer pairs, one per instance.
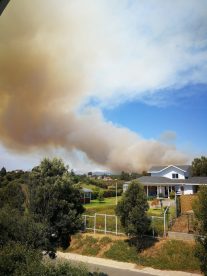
{"points": [[172, 195]]}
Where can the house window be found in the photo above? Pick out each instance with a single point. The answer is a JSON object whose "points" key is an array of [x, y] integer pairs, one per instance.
{"points": [[174, 175]]}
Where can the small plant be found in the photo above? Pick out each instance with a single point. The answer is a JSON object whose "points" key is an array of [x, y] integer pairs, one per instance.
{"points": [[101, 196], [172, 195], [105, 240]]}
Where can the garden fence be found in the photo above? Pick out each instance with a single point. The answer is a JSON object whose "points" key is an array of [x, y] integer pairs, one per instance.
{"points": [[111, 224]]}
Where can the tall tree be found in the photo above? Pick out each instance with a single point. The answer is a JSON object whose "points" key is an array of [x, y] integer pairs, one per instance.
{"points": [[55, 201], [199, 166], [200, 211], [3, 171], [132, 211]]}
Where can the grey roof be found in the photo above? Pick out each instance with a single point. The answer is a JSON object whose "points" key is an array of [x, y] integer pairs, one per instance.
{"points": [[153, 180], [85, 190], [160, 168]]}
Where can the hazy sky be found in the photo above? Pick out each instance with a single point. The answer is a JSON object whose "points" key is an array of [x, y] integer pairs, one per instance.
{"points": [[117, 85]]}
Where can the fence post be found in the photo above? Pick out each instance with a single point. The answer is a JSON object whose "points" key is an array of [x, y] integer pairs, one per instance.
{"points": [[116, 227], [85, 223], [153, 229], [165, 212], [95, 223], [105, 224]]}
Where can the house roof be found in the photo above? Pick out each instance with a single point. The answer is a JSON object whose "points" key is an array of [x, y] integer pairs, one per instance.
{"points": [[85, 190], [153, 180], [161, 168]]}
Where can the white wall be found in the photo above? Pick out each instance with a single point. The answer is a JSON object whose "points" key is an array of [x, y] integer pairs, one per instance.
{"points": [[169, 171]]}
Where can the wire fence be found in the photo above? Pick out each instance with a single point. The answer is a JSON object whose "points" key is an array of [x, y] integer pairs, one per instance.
{"points": [[111, 224]]}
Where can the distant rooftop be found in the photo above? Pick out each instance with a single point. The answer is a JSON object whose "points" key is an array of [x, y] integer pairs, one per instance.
{"points": [[160, 168], [147, 180]]}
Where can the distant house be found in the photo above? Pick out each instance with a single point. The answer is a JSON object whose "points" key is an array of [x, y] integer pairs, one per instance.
{"points": [[164, 179], [86, 195]]}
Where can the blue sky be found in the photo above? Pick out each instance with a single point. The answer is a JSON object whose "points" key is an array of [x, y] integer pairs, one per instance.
{"points": [[182, 111], [116, 85]]}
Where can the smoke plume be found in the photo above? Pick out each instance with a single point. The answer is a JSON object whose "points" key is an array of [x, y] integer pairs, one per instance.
{"points": [[51, 60]]}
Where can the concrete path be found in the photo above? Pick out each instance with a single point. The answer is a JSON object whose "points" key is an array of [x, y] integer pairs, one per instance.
{"points": [[115, 268]]}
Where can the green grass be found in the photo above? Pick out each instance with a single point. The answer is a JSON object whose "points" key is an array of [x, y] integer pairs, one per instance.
{"points": [[121, 251], [107, 201], [174, 255], [167, 254], [106, 207], [91, 187]]}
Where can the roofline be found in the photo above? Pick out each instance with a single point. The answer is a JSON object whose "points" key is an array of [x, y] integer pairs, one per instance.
{"points": [[170, 184], [167, 168]]}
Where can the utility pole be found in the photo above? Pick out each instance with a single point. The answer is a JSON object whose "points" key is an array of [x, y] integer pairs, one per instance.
{"points": [[116, 192]]}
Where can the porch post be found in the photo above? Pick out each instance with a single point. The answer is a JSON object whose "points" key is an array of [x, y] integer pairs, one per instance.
{"points": [[147, 191], [157, 191], [168, 192]]}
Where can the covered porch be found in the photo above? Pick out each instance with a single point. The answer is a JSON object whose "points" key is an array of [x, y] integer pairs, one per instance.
{"points": [[159, 190]]}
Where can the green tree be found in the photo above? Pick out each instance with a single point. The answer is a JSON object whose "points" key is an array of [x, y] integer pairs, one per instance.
{"points": [[132, 211], [101, 196], [55, 201], [24, 229], [199, 166], [125, 176], [12, 195], [17, 259], [200, 211], [3, 171]]}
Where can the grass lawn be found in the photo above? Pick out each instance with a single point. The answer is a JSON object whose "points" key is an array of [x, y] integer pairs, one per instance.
{"points": [[164, 254], [95, 203], [106, 207]]}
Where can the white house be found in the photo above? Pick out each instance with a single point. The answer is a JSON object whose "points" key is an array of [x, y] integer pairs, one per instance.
{"points": [[164, 179]]}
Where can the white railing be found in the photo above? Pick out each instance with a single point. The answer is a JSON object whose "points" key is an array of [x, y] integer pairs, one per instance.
{"points": [[115, 227]]}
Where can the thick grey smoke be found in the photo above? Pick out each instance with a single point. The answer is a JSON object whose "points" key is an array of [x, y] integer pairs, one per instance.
{"points": [[47, 72]]}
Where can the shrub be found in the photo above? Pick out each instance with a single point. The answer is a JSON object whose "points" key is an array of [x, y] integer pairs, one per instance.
{"points": [[172, 195]]}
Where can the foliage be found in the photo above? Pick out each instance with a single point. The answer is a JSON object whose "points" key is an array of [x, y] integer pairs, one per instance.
{"points": [[199, 166], [17, 228], [12, 196], [125, 176], [121, 251], [172, 254], [3, 171], [172, 195], [17, 259], [132, 210], [200, 211], [55, 201], [100, 196]]}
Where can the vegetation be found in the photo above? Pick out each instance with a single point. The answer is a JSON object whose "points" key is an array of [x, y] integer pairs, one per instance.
{"points": [[55, 202], [199, 166], [166, 254], [200, 210], [39, 211], [132, 209]]}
